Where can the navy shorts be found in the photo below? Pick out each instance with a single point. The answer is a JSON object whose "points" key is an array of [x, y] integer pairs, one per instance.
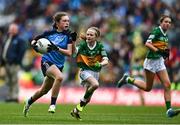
{"points": [[46, 65]]}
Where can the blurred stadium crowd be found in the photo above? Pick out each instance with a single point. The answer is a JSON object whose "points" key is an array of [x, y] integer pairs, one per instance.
{"points": [[124, 25]]}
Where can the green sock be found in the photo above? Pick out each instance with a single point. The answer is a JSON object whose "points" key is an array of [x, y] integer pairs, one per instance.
{"points": [[80, 108], [130, 80], [88, 94], [168, 104]]}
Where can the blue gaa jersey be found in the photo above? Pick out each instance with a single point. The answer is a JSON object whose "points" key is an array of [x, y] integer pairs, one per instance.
{"points": [[61, 40]]}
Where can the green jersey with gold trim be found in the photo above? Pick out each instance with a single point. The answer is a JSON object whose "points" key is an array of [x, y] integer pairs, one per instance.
{"points": [[87, 57], [159, 40]]}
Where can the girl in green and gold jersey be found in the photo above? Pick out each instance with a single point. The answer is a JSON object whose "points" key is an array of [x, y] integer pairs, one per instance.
{"points": [[157, 43], [91, 57]]}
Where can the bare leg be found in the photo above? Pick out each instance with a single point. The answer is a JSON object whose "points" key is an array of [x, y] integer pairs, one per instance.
{"points": [[94, 84], [55, 73], [146, 86], [46, 86], [164, 78]]}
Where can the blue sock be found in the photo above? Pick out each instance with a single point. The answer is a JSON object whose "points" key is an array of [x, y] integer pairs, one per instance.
{"points": [[53, 100], [30, 101]]}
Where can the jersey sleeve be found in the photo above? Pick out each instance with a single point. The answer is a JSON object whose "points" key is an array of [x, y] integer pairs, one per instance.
{"points": [[69, 41], [103, 51], [152, 35], [67, 33]]}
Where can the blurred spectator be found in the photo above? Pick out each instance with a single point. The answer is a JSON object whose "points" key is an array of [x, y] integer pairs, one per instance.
{"points": [[122, 23], [2, 74], [1, 45], [12, 55]]}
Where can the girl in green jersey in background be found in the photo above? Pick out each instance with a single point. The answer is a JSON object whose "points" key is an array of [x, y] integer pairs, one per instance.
{"points": [[157, 43]]}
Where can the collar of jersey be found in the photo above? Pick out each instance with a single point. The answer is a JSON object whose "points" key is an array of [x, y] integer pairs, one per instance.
{"points": [[91, 48], [162, 31]]}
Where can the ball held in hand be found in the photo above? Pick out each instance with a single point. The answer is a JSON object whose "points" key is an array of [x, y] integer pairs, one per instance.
{"points": [[42, 45]]}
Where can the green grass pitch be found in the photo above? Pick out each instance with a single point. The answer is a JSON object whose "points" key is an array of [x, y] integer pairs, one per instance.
{"points": [[11, 113]]}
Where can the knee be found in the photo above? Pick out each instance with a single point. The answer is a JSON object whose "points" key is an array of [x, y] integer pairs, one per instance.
{"points": [[167, 86], [148, 89], [95, 86], [59, 79]]}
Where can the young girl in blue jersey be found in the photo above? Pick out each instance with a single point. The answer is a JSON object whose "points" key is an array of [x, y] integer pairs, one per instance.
{"points": [[52, 63]]}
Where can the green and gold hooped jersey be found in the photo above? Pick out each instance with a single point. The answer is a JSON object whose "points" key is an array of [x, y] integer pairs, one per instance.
{"points": [[86, 57], [159, 40]]}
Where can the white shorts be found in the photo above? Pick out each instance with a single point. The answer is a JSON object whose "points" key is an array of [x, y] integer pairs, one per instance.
{"points": [[85, 74], [154, 65]]}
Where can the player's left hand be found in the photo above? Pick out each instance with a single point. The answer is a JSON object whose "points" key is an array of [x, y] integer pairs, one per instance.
{"points": [[164, 53], [73, 36], [52, 46]]}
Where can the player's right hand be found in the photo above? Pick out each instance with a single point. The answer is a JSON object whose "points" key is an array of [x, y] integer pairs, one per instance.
{"points": [[33, 45]]}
